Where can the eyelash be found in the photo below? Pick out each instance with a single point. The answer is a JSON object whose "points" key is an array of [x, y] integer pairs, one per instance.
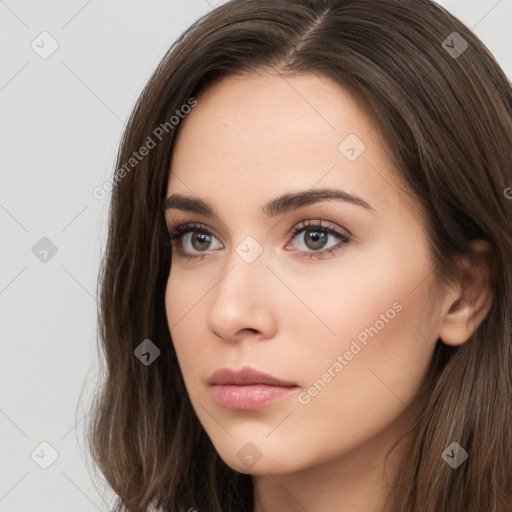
{"points": [[177, 233]]}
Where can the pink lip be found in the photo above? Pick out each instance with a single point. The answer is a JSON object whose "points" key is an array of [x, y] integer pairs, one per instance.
{"points": [[246, 375], [248, 389]]}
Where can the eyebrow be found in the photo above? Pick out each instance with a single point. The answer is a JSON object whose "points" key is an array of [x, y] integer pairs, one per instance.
{"points": [[279, 206]]}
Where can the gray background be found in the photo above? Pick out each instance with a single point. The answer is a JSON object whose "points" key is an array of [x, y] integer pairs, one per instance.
{"points": [[60, 124]]}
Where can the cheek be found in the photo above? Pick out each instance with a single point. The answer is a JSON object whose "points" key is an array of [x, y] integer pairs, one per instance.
{"points": [[182, 302], [176, 298], [365, 375], [373, 390], [373, 315]]}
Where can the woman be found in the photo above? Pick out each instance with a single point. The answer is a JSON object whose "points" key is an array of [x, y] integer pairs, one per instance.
{"points": [[306, 291]]}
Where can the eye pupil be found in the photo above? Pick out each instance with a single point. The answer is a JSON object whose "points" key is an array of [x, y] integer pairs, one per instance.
{"points": [[202, 238], [317, 238]]}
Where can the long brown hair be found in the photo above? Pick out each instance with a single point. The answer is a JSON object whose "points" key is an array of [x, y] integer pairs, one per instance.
{"points": [[444, 106]]}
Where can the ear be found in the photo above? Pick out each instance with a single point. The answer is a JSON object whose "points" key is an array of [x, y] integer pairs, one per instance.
{"points": [[467, 303]]}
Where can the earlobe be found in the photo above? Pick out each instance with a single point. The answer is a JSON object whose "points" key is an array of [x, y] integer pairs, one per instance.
{"points": [[468, 303]]}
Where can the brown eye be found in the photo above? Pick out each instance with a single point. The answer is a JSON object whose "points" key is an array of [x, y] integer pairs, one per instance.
{"points": [[193, 240], [200, 241], [315, 239]]}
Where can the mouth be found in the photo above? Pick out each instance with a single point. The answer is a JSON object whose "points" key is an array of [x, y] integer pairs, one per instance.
{"points": [[248, 389]]}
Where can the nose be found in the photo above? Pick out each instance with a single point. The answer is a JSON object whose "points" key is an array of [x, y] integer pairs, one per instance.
{"points": [[244, 301]]}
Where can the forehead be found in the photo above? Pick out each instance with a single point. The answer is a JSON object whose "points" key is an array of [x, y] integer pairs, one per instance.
{"points": [[271, 133], [261, 105]]}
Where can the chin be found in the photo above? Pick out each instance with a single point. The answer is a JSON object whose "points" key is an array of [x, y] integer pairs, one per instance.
{"points": [[253, 458]]}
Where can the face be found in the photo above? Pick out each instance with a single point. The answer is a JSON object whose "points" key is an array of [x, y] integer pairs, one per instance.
{"points": [[326, 291]]}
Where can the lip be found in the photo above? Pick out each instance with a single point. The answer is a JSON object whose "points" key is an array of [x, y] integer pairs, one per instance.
{"points": [[246, 376], [248, 389]]}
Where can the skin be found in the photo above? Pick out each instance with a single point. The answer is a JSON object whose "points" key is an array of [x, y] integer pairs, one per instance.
{"points": [[250, 139]]}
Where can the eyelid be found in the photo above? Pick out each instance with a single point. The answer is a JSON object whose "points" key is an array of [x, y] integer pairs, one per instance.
{"points": [[319, 222], [308, 221], [182, 229]]}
